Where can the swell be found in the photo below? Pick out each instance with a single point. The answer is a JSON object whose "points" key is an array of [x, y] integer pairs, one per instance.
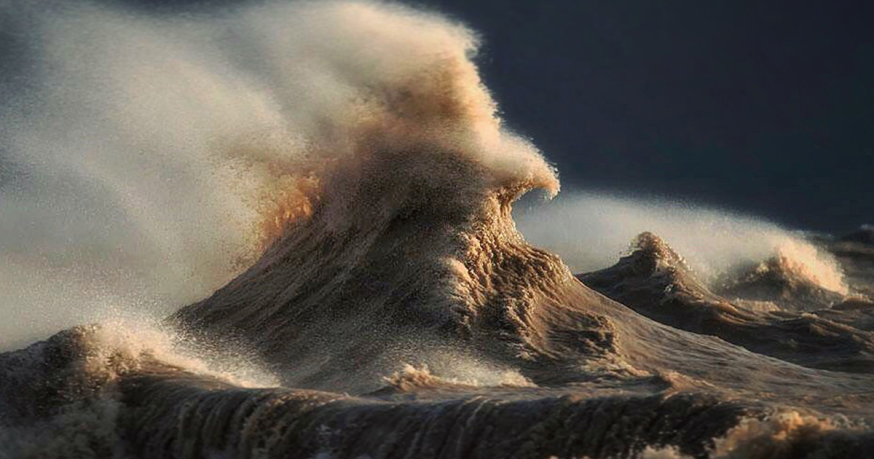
{"points": [[655, 281], [167, 411], [141, 405], [588, 229], [798, 277]]}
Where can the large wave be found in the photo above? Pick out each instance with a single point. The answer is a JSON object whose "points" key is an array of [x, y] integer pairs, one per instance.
{"points": [[159, 155], [341, 169]]}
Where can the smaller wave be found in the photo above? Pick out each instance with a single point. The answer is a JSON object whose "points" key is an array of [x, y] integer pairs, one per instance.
{"points": [[58, 398], [655, 281], [798, 277], [100, 354], [156, 409], [589, 230], [415, 379], [783, 435], [815, 266]]}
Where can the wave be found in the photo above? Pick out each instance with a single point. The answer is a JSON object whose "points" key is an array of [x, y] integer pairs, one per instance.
{"points": [[158, 171], [161, 410], [342, 170], [590, 229], [781, 435], [108, 398], [788, 282], [655, 281]]}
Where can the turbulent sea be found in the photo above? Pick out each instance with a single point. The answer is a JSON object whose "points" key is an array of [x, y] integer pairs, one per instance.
{"points": [[287, 230]]}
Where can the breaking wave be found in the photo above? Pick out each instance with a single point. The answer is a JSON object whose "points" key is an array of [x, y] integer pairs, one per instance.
{"points": [[160, 155], [329, 188], [590, 230]]}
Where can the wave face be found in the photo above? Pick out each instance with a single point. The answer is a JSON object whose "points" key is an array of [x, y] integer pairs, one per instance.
{"points": [[341, 169]]}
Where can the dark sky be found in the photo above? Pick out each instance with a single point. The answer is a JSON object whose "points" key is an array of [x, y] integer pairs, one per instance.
{"points": [[767, 107], [764, 107]]}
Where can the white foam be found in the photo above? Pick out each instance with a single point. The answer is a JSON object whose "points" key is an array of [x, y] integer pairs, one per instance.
{"points": [[592, 230]]}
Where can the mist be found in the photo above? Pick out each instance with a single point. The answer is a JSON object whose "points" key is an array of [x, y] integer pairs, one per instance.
{"points": [[148, 159], [591, 230]]}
